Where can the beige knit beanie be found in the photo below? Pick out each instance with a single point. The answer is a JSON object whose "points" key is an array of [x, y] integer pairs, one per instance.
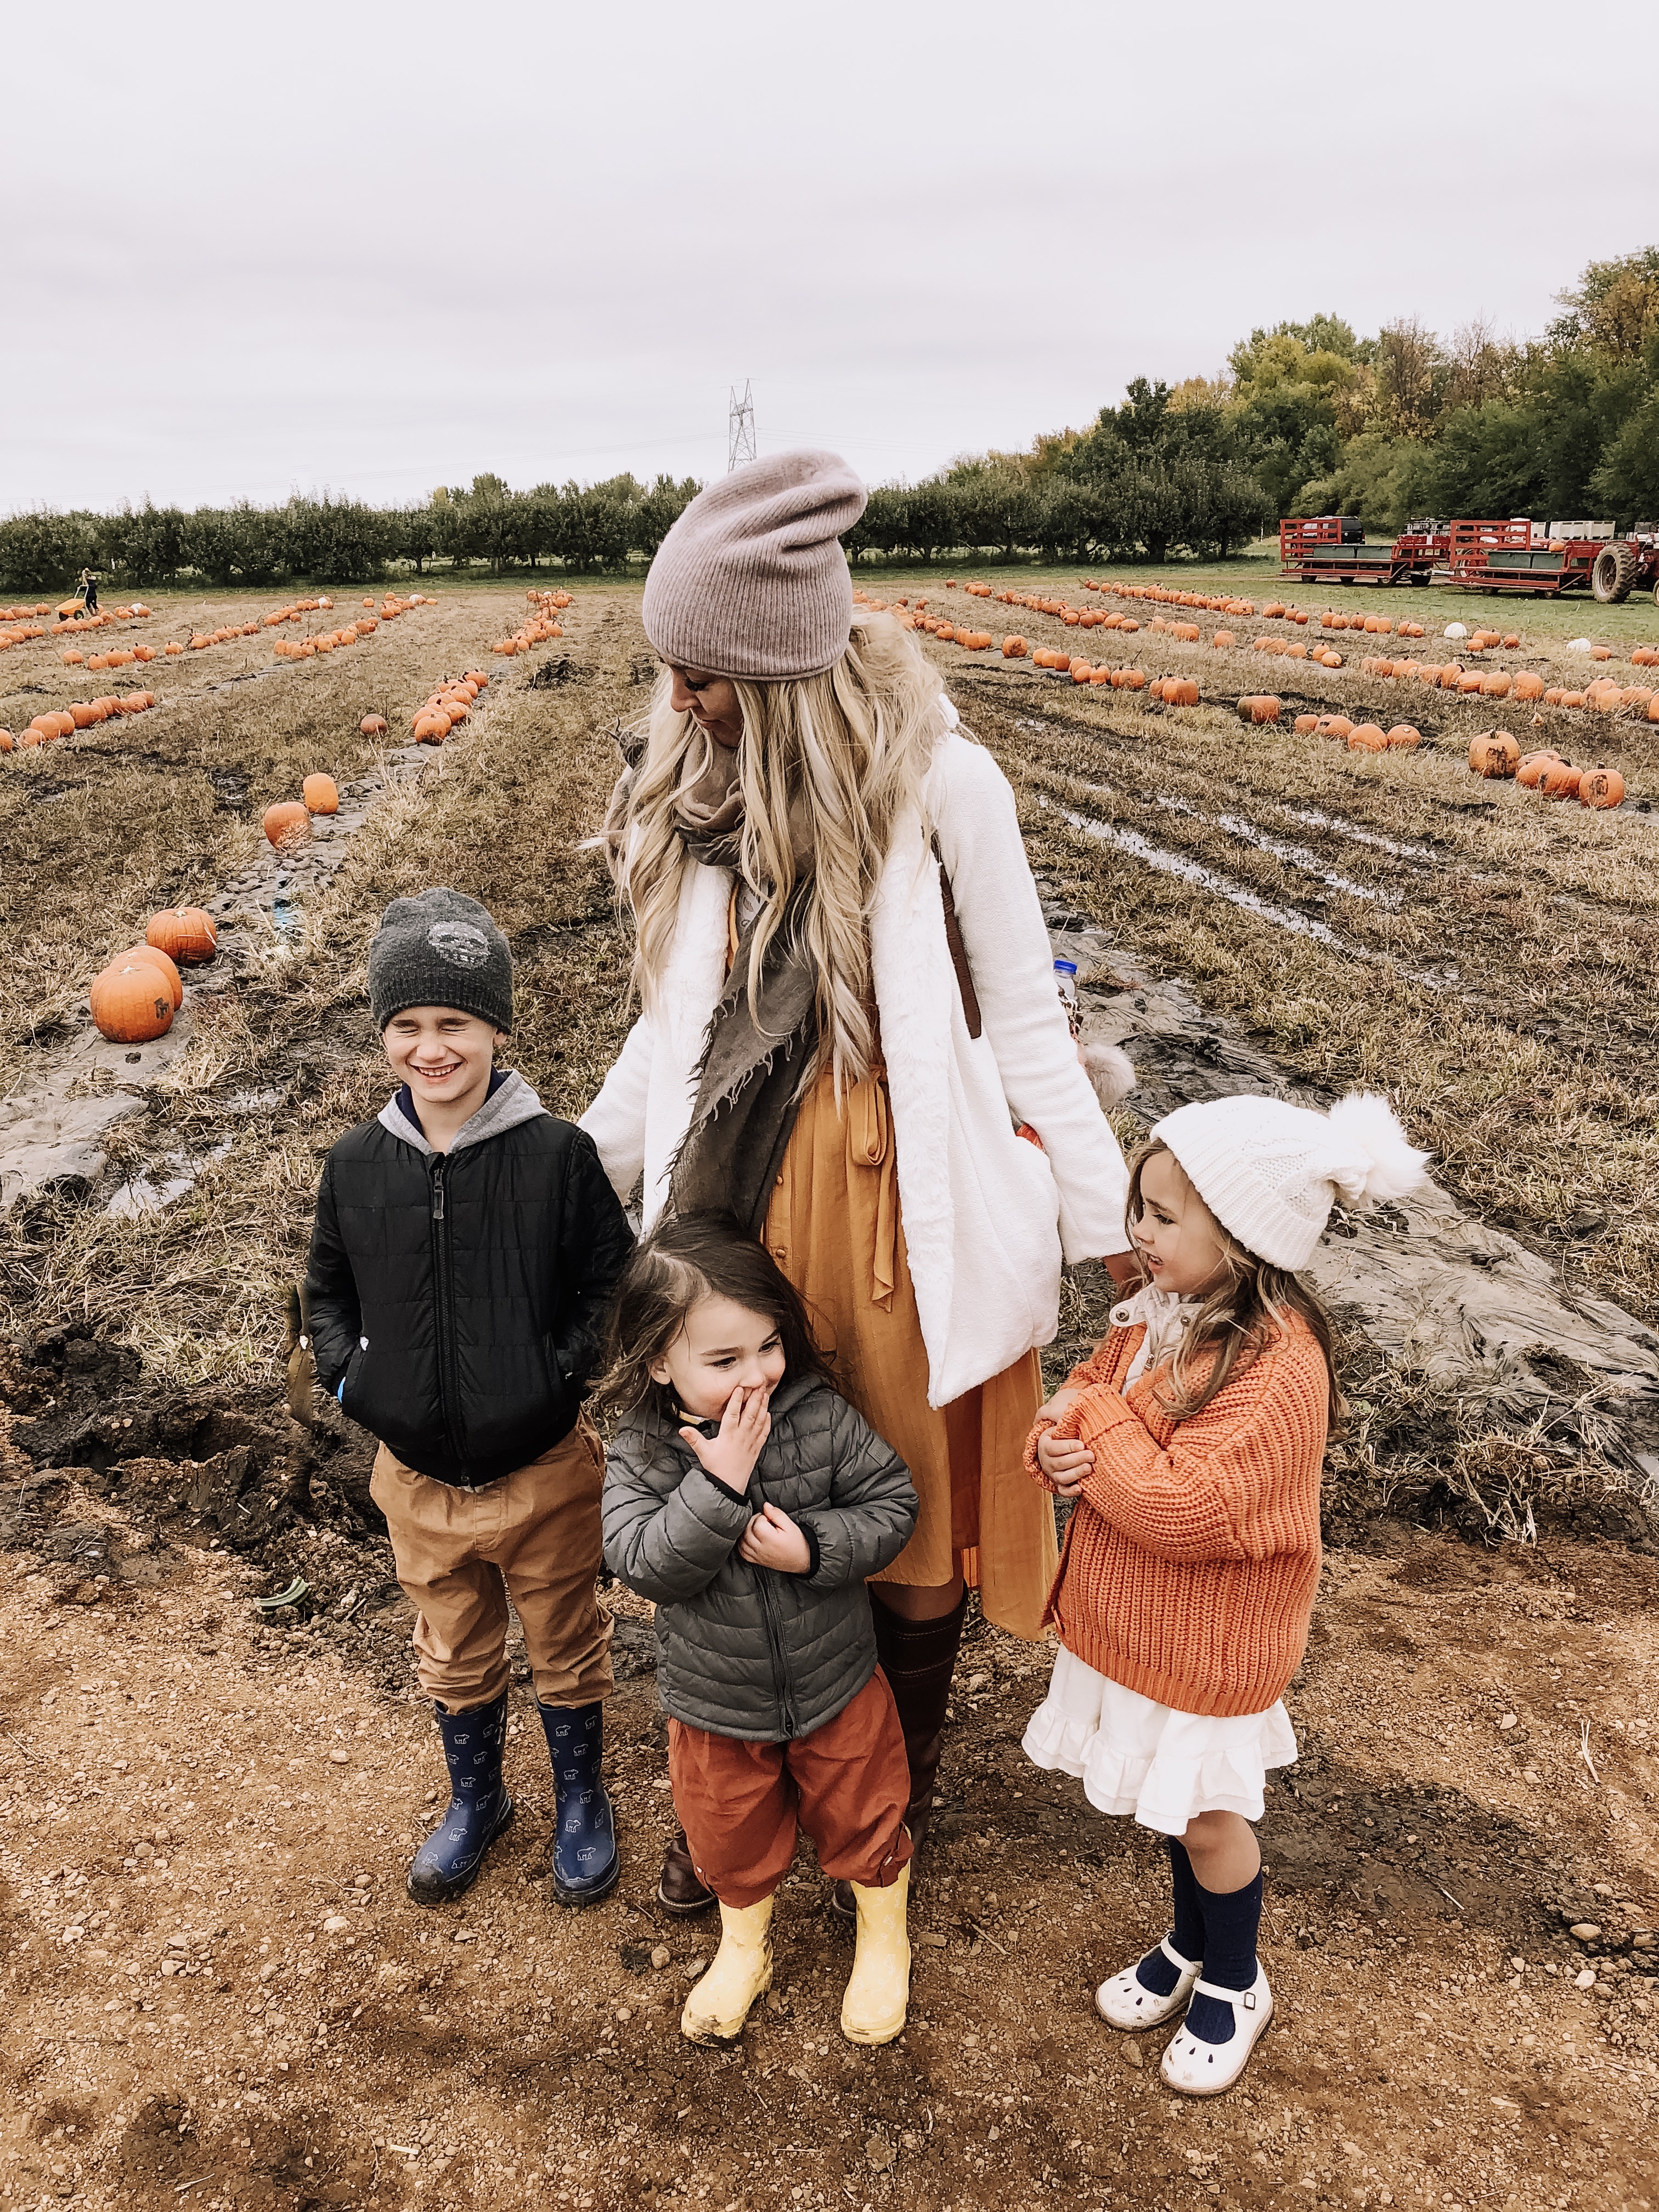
{"points": [[751, 580], [1271, 1172]]}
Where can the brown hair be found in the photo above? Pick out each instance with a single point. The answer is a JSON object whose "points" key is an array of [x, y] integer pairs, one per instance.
{"points": [[687, 1258], [1238, 1319]]}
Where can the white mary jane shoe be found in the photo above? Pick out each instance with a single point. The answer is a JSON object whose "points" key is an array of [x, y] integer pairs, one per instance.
{"points": [[1125, 2001], [1205, 2070]]}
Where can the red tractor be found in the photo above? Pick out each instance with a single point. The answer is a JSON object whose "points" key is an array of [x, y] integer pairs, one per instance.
{"points": [[1521, 555]]}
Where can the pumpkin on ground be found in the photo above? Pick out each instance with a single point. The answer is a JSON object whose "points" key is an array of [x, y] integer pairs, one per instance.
{"points": [[1495, 753], [1014, 649], [1180, 691], [132, 1003], [321, 795], [1405, 737], [1367, 738], [287, 825], [1306, 725], [1261, 706], [1600, 786], [1334, 725], [1560, 780], [1527, 683], [371, 726], [1530, 774], [159, 961]]}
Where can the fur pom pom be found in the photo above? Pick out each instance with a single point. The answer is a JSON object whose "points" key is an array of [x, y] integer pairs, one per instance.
{"points": [[1391, 1165], [1111, 1070]]}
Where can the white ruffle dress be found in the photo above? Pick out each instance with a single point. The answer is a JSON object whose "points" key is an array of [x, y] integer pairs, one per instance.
{"points": [[1132, 1754]]}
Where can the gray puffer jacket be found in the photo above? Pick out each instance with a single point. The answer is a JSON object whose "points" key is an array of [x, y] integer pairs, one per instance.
{"points": [[745, 1651]]}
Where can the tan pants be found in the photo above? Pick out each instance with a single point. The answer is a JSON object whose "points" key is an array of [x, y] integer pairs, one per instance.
{"points": [[534, 1535]]}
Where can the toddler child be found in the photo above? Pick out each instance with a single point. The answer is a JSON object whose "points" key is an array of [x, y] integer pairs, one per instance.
{"points": [[751, 1502], [464, 1249], [1192, 1440]]}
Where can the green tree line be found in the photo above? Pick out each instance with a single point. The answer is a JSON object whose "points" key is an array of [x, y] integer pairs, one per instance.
{"points": [[343, 541], [1306, 418]]}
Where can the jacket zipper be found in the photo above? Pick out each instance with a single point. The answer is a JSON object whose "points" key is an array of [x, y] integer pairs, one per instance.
{"points": [[443, 1300], [774, 1645]]}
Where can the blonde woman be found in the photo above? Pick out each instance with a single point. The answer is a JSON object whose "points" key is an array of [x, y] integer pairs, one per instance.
{"points": [[847, 1007]]}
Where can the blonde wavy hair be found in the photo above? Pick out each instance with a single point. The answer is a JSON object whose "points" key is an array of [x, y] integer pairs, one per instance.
{"points": [[827, 765]]}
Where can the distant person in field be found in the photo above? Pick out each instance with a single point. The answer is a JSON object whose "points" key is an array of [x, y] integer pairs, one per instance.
{"points": [[465, 1249], [849, 1003], [1192, 1442], [749, 1501], [87, 592]]}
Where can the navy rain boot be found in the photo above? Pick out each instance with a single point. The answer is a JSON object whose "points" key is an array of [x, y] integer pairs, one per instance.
{"points": [[447, 1863], [585, 1861]]}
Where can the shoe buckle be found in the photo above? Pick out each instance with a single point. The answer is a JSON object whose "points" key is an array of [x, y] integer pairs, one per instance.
{"points": [[1248, 2000]]}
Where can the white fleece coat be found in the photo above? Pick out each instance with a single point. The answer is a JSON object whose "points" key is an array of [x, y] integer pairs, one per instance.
{"points": [[987, 1215]]}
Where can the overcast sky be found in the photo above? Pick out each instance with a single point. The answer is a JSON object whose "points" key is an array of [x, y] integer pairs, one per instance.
{"points": [[246, 251]]}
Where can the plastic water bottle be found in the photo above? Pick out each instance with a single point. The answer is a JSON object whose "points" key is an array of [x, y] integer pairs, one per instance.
{"points": [[1066, 984]]}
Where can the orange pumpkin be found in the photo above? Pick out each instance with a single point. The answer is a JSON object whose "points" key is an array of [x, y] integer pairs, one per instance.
{"points": [[287, 825], [1306, 725], [1259, 708], [1495, 686], [1530, 774], [1526, 683], [372, 725], [1405, 737], [1180, 691], [163, 966], [6, 741], [321, 795], [1560, 780], [1494, 753], [1014, 649], [131, 1003], [1600, 786], [1334, 725], [1367, 738]]}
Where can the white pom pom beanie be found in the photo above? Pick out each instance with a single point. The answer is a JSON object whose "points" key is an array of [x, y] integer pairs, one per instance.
{"points": [[1271, 1172]]}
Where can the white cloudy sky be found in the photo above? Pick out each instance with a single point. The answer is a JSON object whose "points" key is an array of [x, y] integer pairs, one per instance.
{"points": [[375, 247]]}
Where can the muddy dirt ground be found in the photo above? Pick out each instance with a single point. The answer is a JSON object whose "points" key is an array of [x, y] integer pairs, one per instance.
{"points": [[217, 1991]]}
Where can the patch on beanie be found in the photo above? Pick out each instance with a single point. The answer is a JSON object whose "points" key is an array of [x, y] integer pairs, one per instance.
{"points": [[459, 942]]}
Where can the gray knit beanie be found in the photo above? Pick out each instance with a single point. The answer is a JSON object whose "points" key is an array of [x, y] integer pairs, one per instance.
{"points": [[439, 949], [751, 580]]}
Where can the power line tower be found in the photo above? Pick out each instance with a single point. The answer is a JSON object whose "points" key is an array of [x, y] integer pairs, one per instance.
{"points": [[740, 428]]}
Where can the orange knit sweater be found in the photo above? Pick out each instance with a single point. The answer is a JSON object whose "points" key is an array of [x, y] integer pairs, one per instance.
{"points": [[1192, 1555]]}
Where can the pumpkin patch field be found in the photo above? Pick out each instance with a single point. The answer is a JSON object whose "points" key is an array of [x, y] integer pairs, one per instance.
{"points": [[214, 1765]]}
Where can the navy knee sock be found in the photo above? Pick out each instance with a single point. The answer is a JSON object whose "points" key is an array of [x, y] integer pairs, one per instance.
{"points": [[1230, 1923], [1155, 1972]]}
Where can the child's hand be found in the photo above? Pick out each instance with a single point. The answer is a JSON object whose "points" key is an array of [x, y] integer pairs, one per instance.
{"points": [[1066, 1463], [1059, 1405], [773, 1540], [744, 1426]]}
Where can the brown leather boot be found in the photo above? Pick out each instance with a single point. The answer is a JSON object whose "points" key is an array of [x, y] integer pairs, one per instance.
{"points": [[679, 1890], [917, 1658]]}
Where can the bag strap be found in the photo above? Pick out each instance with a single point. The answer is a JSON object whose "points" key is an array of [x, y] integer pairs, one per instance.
{"points": [[958, 950]]}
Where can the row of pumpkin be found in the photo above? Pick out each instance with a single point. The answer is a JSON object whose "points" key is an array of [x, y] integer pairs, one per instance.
{"points": [[63, 721], [135, 999], [534, 632], [1495, 753]]}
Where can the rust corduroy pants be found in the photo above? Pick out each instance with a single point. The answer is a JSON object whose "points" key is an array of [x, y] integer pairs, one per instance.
{"points": [[847, 1784]]}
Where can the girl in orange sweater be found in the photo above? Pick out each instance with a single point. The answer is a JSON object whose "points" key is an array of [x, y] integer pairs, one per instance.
{"points": [[1192, 1440]]}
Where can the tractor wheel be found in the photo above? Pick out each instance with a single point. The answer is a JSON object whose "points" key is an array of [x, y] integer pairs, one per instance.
{"points": [[1613, 573]]}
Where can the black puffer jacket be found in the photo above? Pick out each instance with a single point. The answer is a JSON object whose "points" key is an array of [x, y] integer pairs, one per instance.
{"points": [[746, 1651], [460, 1293]]}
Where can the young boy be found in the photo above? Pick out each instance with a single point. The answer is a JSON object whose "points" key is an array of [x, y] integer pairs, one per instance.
{"points": [[464, 1252]]}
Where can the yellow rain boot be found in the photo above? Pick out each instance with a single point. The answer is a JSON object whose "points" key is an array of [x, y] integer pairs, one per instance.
{"points": [[872, 2010], [718, 2007]]}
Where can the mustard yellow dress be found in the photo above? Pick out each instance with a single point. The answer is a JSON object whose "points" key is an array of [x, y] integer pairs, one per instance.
{"points": [[833, 1225]]}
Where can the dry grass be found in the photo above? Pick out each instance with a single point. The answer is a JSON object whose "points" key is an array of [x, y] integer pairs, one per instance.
{"points": [[1494, 976], [198, 1287]]}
